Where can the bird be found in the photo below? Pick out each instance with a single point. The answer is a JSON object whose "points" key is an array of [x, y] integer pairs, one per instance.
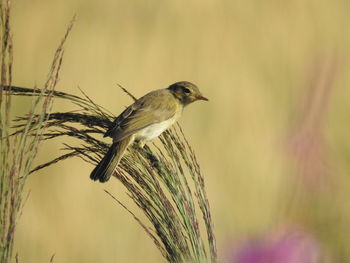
{"points": [[143, 121]]}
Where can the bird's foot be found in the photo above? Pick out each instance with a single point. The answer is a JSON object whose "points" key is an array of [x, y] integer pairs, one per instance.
{"points": [[146, 151]]}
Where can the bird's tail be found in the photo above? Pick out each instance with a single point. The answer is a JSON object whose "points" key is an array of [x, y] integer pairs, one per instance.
{"points": [[109, 162]]}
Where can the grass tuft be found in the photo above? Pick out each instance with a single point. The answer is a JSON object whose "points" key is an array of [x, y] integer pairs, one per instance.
{"points": [[17, 152], [163, 179]]}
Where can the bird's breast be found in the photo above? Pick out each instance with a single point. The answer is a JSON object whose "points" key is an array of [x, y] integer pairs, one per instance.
{"points": [[153, 131]]}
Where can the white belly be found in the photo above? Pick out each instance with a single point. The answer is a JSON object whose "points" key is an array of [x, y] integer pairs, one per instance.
{"points": [[154, 130]]}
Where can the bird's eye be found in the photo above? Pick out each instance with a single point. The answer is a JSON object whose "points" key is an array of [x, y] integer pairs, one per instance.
{"points": [[187, 91]]}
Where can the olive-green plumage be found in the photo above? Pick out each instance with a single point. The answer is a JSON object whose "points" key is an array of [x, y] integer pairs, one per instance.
{"points": [[143, 121]]}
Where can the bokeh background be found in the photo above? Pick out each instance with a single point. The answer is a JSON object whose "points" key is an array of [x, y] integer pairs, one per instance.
{"points": [[272, 141]]}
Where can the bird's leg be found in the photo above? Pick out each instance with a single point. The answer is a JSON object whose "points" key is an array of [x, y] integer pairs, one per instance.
{"points": [[140, 145]]}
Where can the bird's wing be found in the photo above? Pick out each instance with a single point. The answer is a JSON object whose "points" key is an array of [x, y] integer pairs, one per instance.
{"points": [[155, 107]]}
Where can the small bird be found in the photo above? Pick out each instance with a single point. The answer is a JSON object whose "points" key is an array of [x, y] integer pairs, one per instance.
{"points": [[143, 121]]}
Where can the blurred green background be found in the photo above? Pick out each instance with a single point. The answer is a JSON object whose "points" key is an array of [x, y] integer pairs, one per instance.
{"points": [[252, 59]]}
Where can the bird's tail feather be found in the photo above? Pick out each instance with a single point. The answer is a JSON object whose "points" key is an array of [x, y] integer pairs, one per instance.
{"points": [[110, 161]]}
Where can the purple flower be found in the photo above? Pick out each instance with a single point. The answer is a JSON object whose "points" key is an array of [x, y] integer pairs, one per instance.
{"points": [[287, 247]]}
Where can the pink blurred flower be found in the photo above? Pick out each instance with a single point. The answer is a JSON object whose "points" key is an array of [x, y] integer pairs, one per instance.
{"points": [[291, 246]]}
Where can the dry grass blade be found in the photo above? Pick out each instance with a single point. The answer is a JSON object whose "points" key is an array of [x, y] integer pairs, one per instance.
{"points": [[127, 92], [155, 240]]}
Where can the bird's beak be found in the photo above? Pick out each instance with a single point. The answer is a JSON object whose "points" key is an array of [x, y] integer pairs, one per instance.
{"points": [[200, 97]]}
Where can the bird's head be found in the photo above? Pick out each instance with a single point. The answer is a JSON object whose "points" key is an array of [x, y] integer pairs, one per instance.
{"points": [[186, 92]]}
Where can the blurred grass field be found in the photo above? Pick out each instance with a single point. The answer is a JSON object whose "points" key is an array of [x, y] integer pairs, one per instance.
{"points": [[252, 59]]}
